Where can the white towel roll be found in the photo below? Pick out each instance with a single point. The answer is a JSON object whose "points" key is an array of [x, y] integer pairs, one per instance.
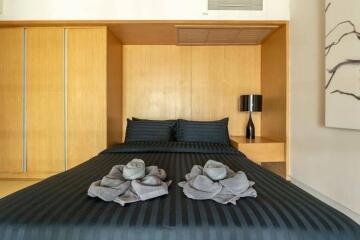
{"points": [[215, 170], [134, 169]]}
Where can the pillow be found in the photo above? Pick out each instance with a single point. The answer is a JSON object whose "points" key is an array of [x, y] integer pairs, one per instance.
{"points": [[203, 131], [148, 131], [171, 123]]}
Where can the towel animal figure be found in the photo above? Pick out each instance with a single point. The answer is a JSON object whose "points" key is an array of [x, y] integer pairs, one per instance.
{"points": [[218, 182], [130, 183]]}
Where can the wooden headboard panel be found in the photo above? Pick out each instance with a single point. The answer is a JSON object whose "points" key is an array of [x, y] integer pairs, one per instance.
{"points": [[191, 82]]}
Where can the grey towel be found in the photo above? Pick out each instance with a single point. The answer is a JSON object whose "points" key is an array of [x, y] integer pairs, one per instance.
{"points": [[134, 169], [141, 183], [202, 184], [215, 170]]}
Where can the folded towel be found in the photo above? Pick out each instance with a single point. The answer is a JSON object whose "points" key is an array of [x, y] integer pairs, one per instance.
{"points": [[105, 193], [140, 190], [201, 183], [134, 169], [132, 188], [215, 170], [201, 187]]}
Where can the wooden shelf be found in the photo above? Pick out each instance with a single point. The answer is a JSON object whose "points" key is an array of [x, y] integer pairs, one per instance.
{"points": [[260, 150]]}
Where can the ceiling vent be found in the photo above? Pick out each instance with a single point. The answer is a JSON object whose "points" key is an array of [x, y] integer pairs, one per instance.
{"points": [[223, 35], [255, 5]]}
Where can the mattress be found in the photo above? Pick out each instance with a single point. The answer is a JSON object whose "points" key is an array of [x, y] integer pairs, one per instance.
{"points": [[59, 208]]}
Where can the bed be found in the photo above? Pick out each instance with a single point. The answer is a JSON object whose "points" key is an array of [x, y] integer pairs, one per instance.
{"points": [[59, 208]]}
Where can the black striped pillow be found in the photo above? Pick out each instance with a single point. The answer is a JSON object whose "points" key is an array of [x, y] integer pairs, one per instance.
{"points": [[148, 131], [203, 131], [172, 123]]}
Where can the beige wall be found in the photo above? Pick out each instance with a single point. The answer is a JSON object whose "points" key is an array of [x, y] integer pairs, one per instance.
{"points": [[326, 160]]}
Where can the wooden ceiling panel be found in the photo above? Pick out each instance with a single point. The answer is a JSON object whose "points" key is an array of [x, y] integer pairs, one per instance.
{"points": [[255, 35], [145, 33], [223, 35], [166, 32], [228, 35], [188, 36], [171, 33]]}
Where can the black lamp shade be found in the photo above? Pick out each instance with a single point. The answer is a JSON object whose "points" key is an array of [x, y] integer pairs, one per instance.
{"points": [[251, 103]]}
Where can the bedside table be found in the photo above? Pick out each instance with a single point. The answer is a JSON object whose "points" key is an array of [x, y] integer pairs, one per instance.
{"points": [[263, 151]]}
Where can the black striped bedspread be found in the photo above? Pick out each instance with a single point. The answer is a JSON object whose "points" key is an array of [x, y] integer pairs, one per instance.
{"points": [[59, 208]]}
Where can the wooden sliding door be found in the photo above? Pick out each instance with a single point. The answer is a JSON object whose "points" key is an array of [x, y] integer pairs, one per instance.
{"points": [[11, 93], [60, 98], [86, 84], [45, 99]]}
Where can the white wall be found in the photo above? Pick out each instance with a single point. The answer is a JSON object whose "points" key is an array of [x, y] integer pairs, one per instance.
{"points": [[1, 6], [134, 9], [323, 160]]}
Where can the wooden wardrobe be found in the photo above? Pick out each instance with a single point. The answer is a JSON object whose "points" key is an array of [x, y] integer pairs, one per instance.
{"points": [[60, 98]]}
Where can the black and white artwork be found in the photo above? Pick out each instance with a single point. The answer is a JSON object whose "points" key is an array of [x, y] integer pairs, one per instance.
{"points": [[342, 62]]}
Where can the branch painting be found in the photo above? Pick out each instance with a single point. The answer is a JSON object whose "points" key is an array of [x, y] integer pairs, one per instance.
{"points": [[342, 61]]}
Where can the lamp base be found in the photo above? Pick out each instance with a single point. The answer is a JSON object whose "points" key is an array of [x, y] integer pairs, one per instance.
{"points": [[250, 129]]}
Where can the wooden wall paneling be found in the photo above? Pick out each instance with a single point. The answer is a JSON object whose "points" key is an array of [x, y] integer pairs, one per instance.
{"points": [[114, 89], [86, 85], [274, 75], [202, 83], [157, 82], [219, 76], [275, 88], [11, 98], [45, 99]]}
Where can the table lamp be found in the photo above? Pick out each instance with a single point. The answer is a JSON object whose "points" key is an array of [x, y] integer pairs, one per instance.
{"points": [[250, 103]]}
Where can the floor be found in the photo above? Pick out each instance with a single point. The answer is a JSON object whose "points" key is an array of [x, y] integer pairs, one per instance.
{"points": [[9, 186]]}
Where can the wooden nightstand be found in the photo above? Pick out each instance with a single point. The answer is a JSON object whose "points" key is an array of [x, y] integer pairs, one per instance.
{"points": [[263, 151]]}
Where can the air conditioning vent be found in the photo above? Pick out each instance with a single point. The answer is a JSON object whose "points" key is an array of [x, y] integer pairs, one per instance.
{"points": [[255, 5], [223, 35]]}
